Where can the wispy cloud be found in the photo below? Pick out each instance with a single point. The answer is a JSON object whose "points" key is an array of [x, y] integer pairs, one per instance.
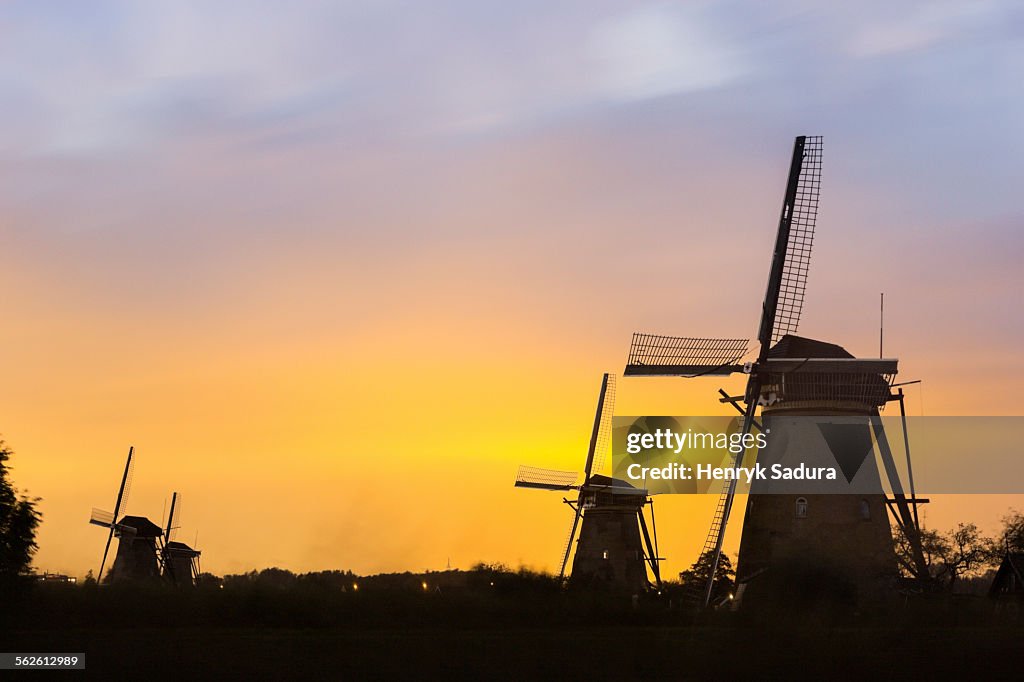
{"points": [[662, 49], [918, 26]]}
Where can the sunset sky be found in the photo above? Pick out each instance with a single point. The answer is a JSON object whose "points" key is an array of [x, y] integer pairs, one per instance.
{"points": [[336, 269]]}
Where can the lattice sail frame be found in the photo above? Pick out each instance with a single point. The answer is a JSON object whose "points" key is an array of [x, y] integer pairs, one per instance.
{"points": [[100, 517], [546, 479], [801, 241], [120, 511], [681, 356], [604, 432]]}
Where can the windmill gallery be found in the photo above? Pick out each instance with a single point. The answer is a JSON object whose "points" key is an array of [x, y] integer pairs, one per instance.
{"points": [[815, 411]]}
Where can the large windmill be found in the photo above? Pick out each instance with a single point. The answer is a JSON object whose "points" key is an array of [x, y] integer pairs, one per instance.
{"points": [[611, 550], [793, 376], [137, 537]]}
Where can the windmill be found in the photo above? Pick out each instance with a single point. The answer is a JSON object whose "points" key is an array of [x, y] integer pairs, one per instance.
{"points": [[179, 563], [789, 376], [137, 536], [610, 550]]}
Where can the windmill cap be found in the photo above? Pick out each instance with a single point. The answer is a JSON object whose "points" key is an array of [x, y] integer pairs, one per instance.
{"points": [[181, 548], [792, 346], [144, 528]]}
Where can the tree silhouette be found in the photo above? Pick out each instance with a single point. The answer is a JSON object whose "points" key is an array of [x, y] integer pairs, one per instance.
{"points": [[1012, 537], [19, 519], [959, 553], [696, 577]]}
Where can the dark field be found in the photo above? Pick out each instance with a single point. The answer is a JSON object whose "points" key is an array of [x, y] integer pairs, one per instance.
{"points": [[599, 653], [491, 625]]}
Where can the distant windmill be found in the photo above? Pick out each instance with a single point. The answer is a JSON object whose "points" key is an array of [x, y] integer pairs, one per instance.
{"points": [[178, 561], [137, 536], [610, 548], [793, 376]]}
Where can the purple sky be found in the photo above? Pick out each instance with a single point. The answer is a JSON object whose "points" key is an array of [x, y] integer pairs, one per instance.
{"points": [[223, 191]]}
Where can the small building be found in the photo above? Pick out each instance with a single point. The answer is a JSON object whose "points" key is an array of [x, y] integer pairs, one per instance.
{"points": [[48, 578], [1009, 579]]}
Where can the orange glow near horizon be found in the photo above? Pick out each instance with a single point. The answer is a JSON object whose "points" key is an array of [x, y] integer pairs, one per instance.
{"points": [[339, 352]]}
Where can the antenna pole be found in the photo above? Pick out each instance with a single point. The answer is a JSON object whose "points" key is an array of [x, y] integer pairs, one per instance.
{"points": [[881, 322], [117, 508]]}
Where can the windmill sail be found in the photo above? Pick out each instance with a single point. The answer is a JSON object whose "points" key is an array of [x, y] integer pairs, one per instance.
{"points": [[101, 518], [601, 442], [787, 280], [172, 518], [783, 302], [546, 479], [119, 506], [653, 355], [126, 486], [604, 405]]}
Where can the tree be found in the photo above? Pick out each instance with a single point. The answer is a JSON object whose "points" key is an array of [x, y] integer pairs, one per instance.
{"points": [[959, 553], [19, 519], [1012, 537], [696, 577], [933, 547]]}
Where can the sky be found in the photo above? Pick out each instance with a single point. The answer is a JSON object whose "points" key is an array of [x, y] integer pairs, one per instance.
{"points": [[336, 269]]}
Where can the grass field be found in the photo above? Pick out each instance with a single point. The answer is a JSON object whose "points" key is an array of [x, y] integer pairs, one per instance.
{"points": [[599, 653], [491, 624]]}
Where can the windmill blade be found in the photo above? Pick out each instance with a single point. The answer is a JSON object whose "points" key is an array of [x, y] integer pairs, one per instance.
{"points": [[653, 355], [126, 485], [578, 512], [716, 536], [172, 518], [101, 518], [596, 431], [118, 506], [604, 431], [546, 479], [787, 279]]}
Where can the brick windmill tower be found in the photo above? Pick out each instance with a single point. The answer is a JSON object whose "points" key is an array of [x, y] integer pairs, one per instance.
{"points": [[615, 547], [818, 404]]}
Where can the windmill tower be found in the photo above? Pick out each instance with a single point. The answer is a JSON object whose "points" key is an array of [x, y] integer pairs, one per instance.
{"points": [[137, 536], [793, 376], [179, 563], [615, 547]]}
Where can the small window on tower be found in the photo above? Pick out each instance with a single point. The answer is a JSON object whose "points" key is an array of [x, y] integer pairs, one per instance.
{"points": [[865, 510], [801, 507], [604, 554]]}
